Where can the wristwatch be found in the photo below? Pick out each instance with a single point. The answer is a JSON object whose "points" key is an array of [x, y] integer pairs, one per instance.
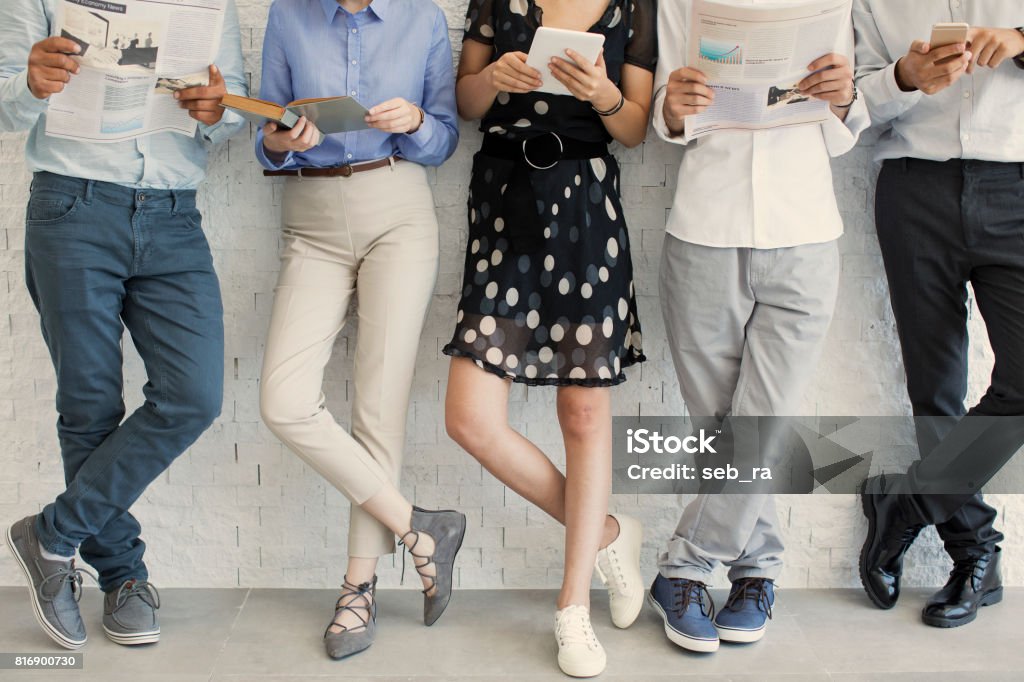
{"points": [[856, 96], [1019, 59]]}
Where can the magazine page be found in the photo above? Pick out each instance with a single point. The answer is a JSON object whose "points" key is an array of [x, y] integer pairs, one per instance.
{"points": [[754, 57], [134, 55]]}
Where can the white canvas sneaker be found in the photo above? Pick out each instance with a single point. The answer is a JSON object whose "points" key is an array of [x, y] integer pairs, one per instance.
{"points": [[579, 652], [618, 566]]}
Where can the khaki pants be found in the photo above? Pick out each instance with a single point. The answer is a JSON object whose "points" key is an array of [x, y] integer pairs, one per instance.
{"points": [[374, 235]]}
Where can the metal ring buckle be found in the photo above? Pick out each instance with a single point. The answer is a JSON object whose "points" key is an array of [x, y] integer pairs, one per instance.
{"points": [[561, 150]]}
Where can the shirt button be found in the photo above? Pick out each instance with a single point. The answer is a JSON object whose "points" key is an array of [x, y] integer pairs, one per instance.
{"points": [[956, 3], [354, 62], [965, 137], [967, 94], [348, 156], [355, 30]]}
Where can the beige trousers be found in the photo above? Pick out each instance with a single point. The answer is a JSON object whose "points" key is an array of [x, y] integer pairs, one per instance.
{"points": [[374, 235]]}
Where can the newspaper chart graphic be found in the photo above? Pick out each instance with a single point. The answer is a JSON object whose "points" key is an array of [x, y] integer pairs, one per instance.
{"points": [[720, 52]]}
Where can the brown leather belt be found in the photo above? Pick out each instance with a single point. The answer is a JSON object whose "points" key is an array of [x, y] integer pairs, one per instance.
{"points": [[345, 171]]}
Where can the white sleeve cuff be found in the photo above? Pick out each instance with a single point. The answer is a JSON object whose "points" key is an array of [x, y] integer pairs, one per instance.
{"points": [[658, 121]]}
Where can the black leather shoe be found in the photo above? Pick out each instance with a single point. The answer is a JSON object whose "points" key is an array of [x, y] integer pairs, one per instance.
{"points": [[889, 538], [972, 583]]}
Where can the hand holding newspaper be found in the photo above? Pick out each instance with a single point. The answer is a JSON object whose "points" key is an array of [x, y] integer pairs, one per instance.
{"points": [[134, 55], [754, 57]]}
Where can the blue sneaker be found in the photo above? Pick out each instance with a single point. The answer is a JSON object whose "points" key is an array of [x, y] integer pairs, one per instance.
{"points": [[747, 611], [687, 610]]}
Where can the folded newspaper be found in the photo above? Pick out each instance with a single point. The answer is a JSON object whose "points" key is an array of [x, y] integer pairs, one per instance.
{"points": [[754, 57], [134, 55]]}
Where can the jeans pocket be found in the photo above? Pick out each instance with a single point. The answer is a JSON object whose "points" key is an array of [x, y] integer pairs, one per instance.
{"points": [[47, 207], [192, 218]]}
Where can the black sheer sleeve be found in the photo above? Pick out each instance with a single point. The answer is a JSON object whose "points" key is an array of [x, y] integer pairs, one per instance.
{"points": [[480, 22], [642, 45]]}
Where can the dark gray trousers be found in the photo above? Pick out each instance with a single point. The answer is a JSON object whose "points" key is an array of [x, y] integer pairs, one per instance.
{"points": [[940, 226]]}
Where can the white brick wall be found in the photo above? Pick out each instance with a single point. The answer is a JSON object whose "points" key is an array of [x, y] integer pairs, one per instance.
{"points": [[238, 509]]}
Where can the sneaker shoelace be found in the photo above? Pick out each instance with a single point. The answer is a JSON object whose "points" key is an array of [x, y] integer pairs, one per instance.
{"points": [[755, 589], [70, 574], [609, 568], [574, 628], [686, 592], [143, 589]]}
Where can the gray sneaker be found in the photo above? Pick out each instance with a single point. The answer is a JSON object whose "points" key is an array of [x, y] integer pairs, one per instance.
{"points": [[129, 614], [55, 586]]}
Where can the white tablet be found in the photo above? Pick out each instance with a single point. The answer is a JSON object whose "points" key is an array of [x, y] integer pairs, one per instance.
{"points": [[553, 42]]}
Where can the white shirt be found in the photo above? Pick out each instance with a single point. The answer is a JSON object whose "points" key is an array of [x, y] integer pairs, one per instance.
{"points": [[762, 189], [978, 117]]}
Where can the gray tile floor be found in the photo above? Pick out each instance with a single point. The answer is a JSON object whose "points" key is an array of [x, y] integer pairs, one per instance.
{"points": [[274, 636]]}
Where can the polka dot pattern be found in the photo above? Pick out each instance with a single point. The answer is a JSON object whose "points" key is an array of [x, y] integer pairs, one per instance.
{"points": [[564, 314]]}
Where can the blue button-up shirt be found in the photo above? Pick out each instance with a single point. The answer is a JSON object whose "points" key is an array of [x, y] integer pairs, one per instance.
{"points": [[158, 161], [393, 48]]}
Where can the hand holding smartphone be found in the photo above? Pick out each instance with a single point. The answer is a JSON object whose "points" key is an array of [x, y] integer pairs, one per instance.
{"points": [[944, 34]]}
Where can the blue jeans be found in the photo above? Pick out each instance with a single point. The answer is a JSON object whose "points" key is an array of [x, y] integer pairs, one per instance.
{"points": [[101, 257]]}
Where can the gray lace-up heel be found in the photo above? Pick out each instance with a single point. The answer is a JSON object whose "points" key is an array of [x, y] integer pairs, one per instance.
{"points": [[447, 528], [353, 639]]}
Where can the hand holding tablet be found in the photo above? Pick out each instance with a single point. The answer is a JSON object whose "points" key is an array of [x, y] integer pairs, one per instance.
{"points": [[551, 43]]}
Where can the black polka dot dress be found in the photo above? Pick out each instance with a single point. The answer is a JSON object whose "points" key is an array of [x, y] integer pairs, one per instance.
{"points": [[564, 313]]}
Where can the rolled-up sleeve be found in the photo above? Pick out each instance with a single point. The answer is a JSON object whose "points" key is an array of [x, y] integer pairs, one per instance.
{"points": [[672, 28], [232, 68], [841, 135], [23, 23], [876, 70], [435, 141]]}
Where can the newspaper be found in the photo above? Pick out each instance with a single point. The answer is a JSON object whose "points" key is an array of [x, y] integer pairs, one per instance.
{"points": [[134, 55], [754, 57]]}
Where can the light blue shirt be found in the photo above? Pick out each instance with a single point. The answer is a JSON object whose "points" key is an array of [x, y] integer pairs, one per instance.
{"points": [[978, 117], [393, 48], [158, 161]]}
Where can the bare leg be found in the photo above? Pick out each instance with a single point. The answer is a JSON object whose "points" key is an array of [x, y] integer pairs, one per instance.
{"points": [[476, 416], [585, 417]]}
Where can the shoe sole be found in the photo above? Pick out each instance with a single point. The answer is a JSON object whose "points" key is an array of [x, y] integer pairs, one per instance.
{"points": [[458, 548], [993, 597], [869, 512], [704, 646], [133, 639], [735, 636], [51, 631]]}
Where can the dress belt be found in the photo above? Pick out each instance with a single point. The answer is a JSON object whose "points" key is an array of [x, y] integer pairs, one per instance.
{"points": [[346, 171], [542, 151]]}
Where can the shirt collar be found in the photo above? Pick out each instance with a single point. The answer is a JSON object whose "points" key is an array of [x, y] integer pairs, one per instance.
{"points": [[378, 7]]}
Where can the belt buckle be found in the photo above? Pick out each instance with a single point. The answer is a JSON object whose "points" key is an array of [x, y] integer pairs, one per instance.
{"points": [[346, 170], [556, 157]]}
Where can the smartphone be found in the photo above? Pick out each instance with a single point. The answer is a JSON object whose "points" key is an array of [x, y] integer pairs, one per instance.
{"points": [[949, 34]]}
